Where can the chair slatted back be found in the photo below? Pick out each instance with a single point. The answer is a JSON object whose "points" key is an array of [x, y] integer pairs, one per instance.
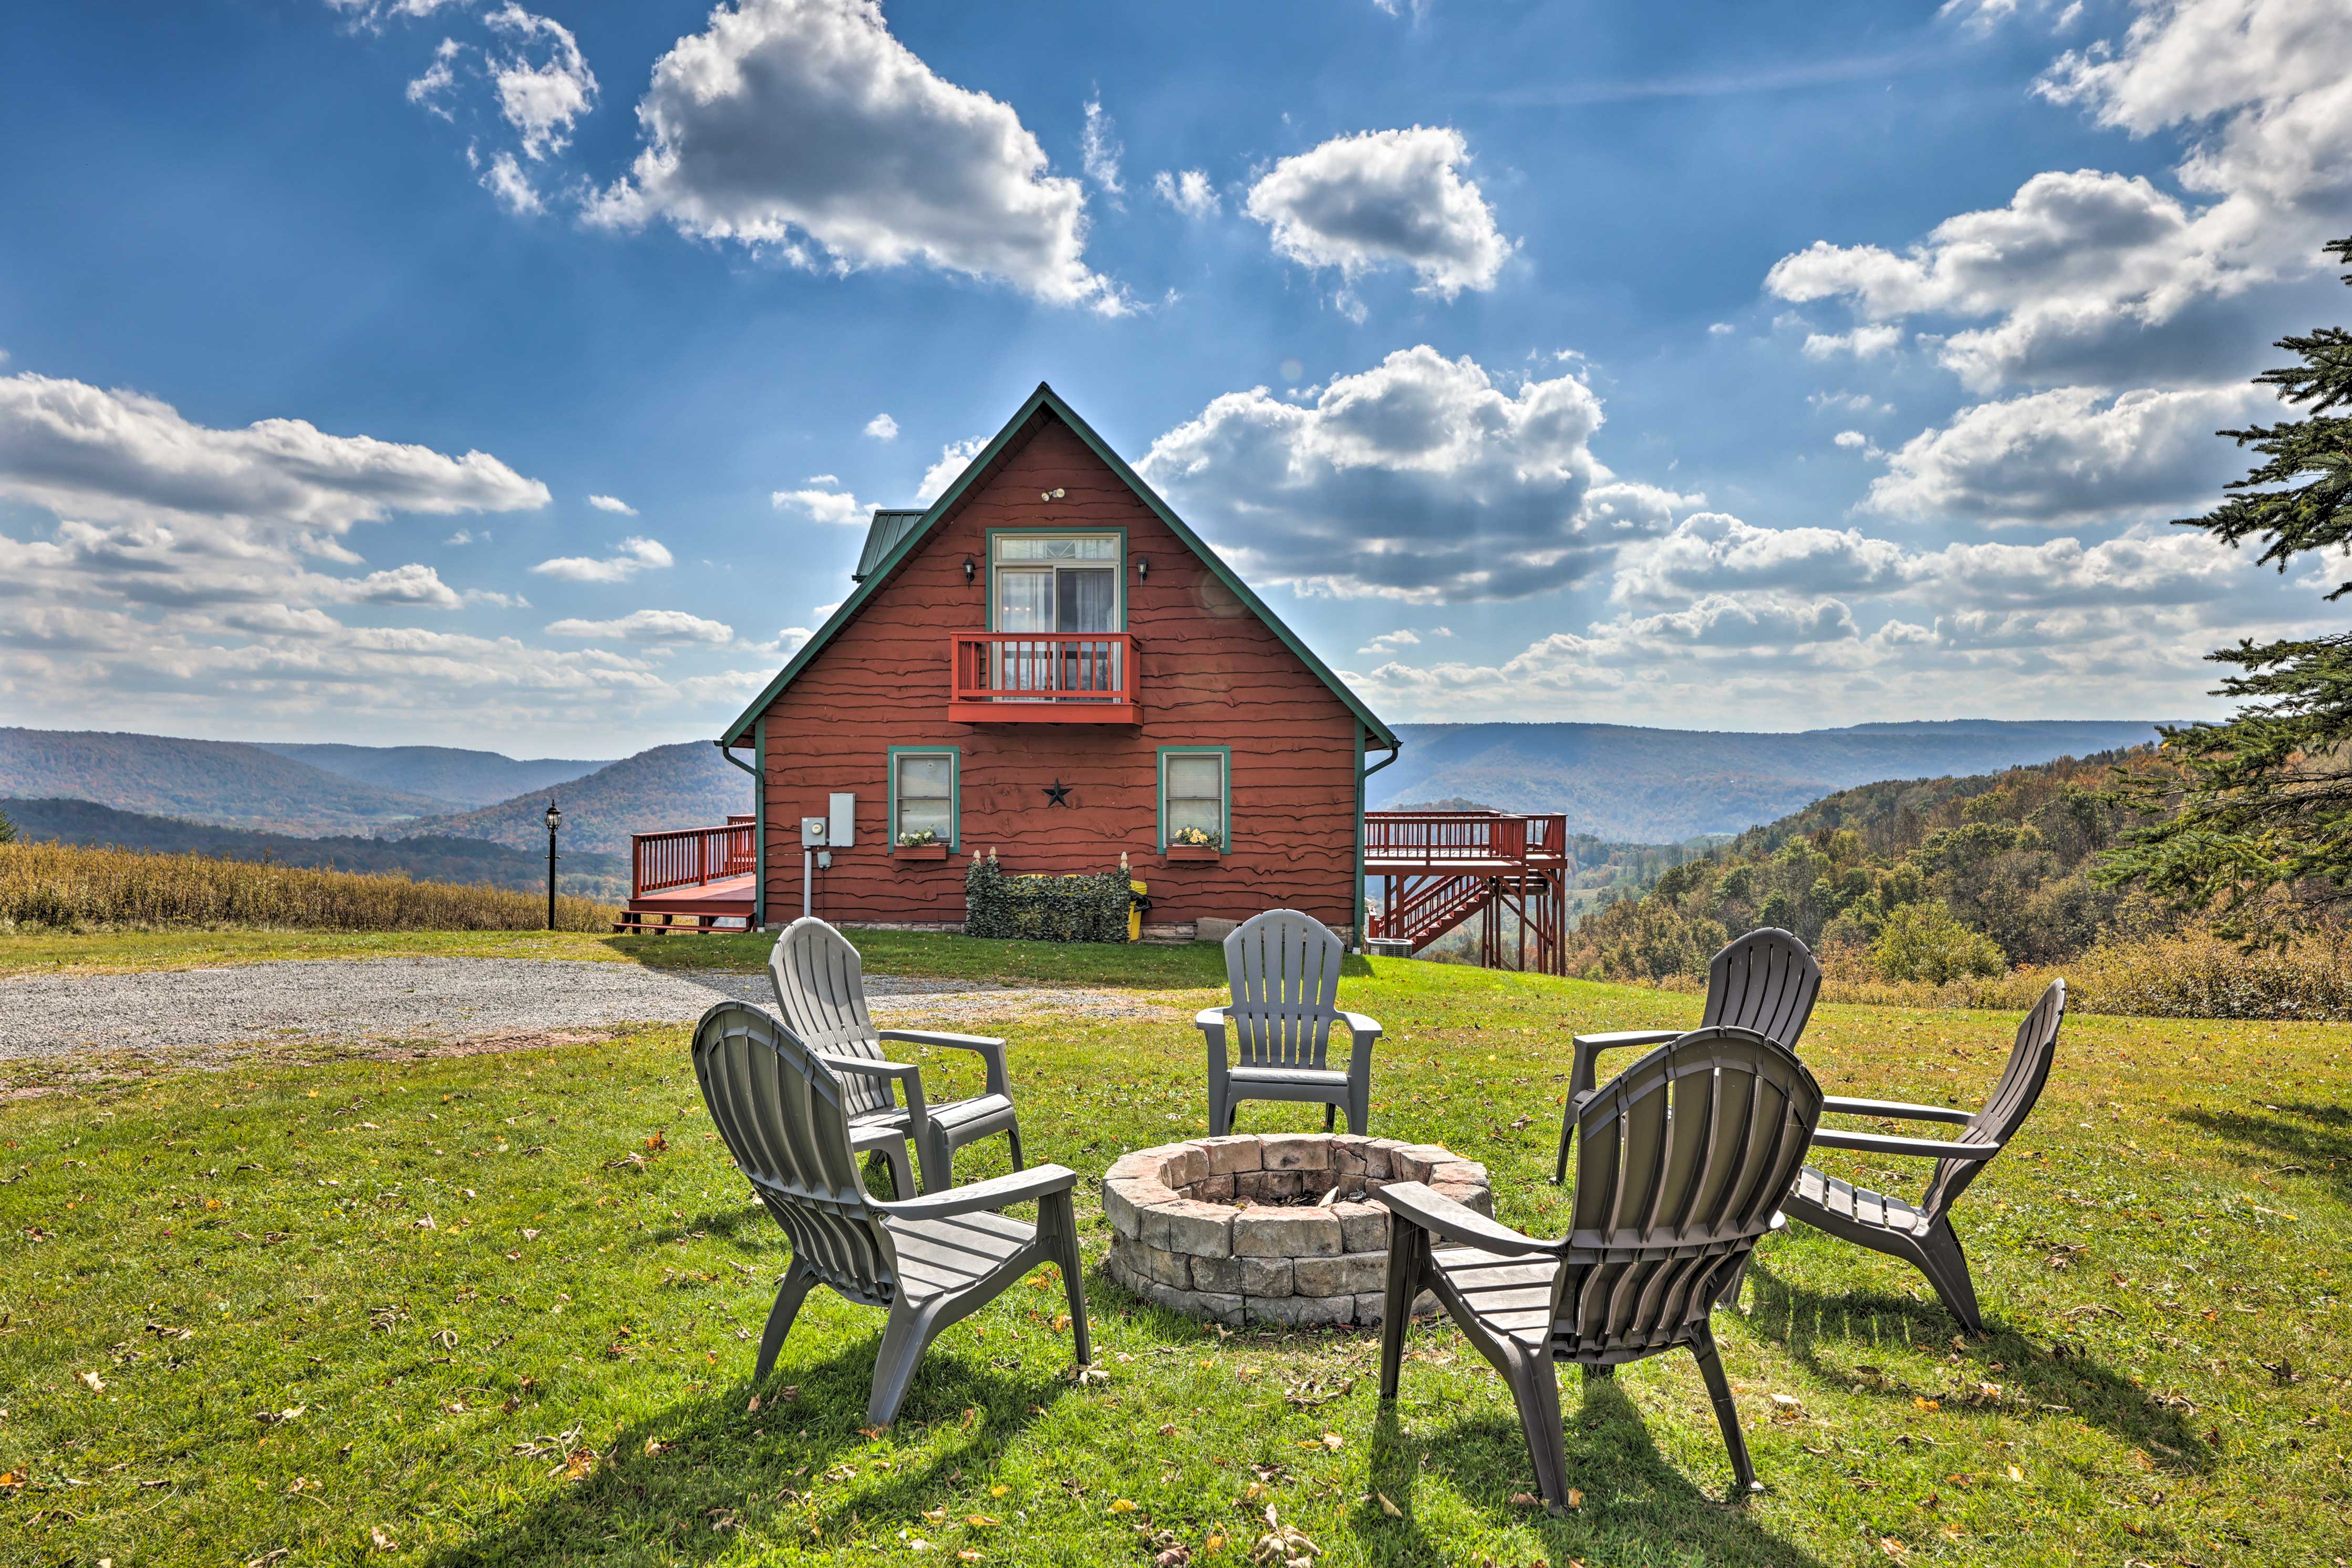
{"points": [[1766, 980], [1284, 969], [781, 1113], [821, 990], [2011, 1101], [1680, 1161]]}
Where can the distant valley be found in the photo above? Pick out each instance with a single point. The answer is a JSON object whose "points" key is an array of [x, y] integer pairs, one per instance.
{"points": [[439, 772], [1631, 785]]}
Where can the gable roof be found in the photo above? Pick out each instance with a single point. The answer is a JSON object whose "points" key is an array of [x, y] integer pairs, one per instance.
{"points": [[891, 525], [875, 565]]}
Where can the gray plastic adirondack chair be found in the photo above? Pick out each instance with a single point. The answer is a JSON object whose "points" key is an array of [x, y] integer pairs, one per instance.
{"points": [[1923, 1236], [1681, 1160], [930, 1260], [820, 991], [1766, 980], [1284, 969]]}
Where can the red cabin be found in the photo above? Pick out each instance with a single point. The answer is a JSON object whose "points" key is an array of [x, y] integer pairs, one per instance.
{"points": [[1047, 663]]}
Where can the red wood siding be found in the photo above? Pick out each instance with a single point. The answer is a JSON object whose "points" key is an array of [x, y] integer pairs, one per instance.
{"points": [[1210, 674]]}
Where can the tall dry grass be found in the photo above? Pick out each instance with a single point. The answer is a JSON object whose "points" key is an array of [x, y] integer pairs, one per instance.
{"points": [[75, 887], [2194, 974]]}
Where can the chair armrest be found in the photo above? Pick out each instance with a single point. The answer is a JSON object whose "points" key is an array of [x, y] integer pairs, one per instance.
{"points": [[1362, 1027], [997, 1192], [1362, 1033], [936, 1037], [1210, 1017], [1842, 1106], [909, 1077], [989, 1050], [1880, 1143], [1441, 1217], [1588, 1047]]}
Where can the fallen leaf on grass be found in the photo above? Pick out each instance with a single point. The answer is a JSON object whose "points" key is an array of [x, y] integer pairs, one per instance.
{"points": [[1894, 1548], [93, 1380], [382, 1542], [1392, 1509], [2015, 1474], [1526, 1500], [1122, 1505], [1575, 1498]]}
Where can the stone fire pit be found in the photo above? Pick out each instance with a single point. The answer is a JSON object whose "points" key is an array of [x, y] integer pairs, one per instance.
{"points": [[1269, 1228]]}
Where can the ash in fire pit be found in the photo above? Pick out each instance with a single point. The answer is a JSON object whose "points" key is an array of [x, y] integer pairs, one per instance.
{"points": [[1273, 1228]]}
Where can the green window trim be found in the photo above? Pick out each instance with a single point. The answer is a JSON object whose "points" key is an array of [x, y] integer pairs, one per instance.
{"points": [[1224, 754], [954, 754]]}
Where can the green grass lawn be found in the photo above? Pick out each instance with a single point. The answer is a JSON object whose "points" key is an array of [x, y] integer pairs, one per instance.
{"points": [[502, 1309]]}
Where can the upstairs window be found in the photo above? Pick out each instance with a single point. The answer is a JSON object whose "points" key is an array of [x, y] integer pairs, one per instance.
{"points": [[1194, 794], [1057, 582], [923, 794]]}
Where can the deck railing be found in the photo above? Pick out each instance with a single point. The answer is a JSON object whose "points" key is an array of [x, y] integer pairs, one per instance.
{"points": [[1075, 676], [688, 857], [1438, 839]]}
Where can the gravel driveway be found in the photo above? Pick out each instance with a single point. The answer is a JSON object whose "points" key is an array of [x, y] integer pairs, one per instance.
{"points": [[440, 999]]}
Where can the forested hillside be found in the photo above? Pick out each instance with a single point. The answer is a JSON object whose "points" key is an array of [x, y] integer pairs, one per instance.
{"points": [[1629, 785], [684, 785], [430, 859], [1936, 878], [444, 772], [221, 781]]}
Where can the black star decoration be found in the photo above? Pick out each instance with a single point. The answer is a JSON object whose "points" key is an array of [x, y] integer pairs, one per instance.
{"points": [[1057, 793]]}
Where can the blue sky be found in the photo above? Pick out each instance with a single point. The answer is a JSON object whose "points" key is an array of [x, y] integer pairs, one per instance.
{"points": [[1736, 365]]}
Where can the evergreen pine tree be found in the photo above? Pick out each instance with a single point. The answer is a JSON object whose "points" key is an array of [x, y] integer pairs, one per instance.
{"points": [[2252, 822]]}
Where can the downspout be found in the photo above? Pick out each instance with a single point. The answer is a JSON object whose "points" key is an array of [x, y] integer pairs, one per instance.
{"points": [[1363, 773], [759, 818]]}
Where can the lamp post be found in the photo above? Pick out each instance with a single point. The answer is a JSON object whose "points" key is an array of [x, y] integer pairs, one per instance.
{"points": [[554, 820]]}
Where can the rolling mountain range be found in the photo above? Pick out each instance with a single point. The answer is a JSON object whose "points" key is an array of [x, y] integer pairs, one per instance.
{"points": [[1663, 786], [684, 785], [439, 772], [224, 782], [426, 859]]}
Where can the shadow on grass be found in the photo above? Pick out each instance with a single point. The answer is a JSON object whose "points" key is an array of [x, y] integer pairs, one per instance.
{"points": [[2307, 1139], [2056, 1383], [1638, 1507], [692, 1483]]}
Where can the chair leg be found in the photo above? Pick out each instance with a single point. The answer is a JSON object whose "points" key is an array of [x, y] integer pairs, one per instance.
{"points": [[789, 1297], [1947, 1267], [1408, 1256], [1013, 1136], [1331, 1115], [902, 1170], [1360, 1108], [1535, 1389], [1059, 1221], [939, 1162], [1567, 1132], [1727, 1414], [903, 1344]]}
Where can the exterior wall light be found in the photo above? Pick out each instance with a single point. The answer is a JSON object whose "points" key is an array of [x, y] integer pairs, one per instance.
{"points": [[971, 571], [1142, 567]]}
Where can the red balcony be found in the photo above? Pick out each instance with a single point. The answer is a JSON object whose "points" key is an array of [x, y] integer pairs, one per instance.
{"points": [[1043, 677]]}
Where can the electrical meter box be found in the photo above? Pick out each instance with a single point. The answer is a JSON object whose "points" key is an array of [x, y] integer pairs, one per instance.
{"points": [[812, 831], [843, 828]]}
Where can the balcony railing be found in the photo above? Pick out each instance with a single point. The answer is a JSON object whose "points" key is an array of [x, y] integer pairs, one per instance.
{"points": [[1043, 677], [1441, 838], [690, 857]]}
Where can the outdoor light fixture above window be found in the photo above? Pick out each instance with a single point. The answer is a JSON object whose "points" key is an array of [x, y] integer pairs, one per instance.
{"points": [[971, 571], [1142, 566], [1052, 495]]}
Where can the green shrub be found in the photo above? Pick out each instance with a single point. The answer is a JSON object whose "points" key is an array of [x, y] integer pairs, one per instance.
{"points": [[1090, 908], [1924, 942]]}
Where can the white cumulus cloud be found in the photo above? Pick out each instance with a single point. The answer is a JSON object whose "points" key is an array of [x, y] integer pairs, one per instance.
{"points": [[804, 125], [630, 557], [648, 626], [1418, 479], [954, 458], [1188, 191], [1385, 198], [1101, 151], [824, 506], [543, 84], [882, 427], [612, 504]]}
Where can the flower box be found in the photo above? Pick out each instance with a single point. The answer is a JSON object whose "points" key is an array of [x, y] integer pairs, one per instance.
{"points": [[921, 851], [1194, 853]]}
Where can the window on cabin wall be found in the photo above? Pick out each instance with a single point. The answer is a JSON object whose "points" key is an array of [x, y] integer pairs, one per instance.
{"points": [[1195, 794], [923, 795], [1061, 587]]}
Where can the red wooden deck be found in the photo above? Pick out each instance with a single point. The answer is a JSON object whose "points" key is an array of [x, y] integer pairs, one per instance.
{"points": [[1438, 869], [691, 880]]}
